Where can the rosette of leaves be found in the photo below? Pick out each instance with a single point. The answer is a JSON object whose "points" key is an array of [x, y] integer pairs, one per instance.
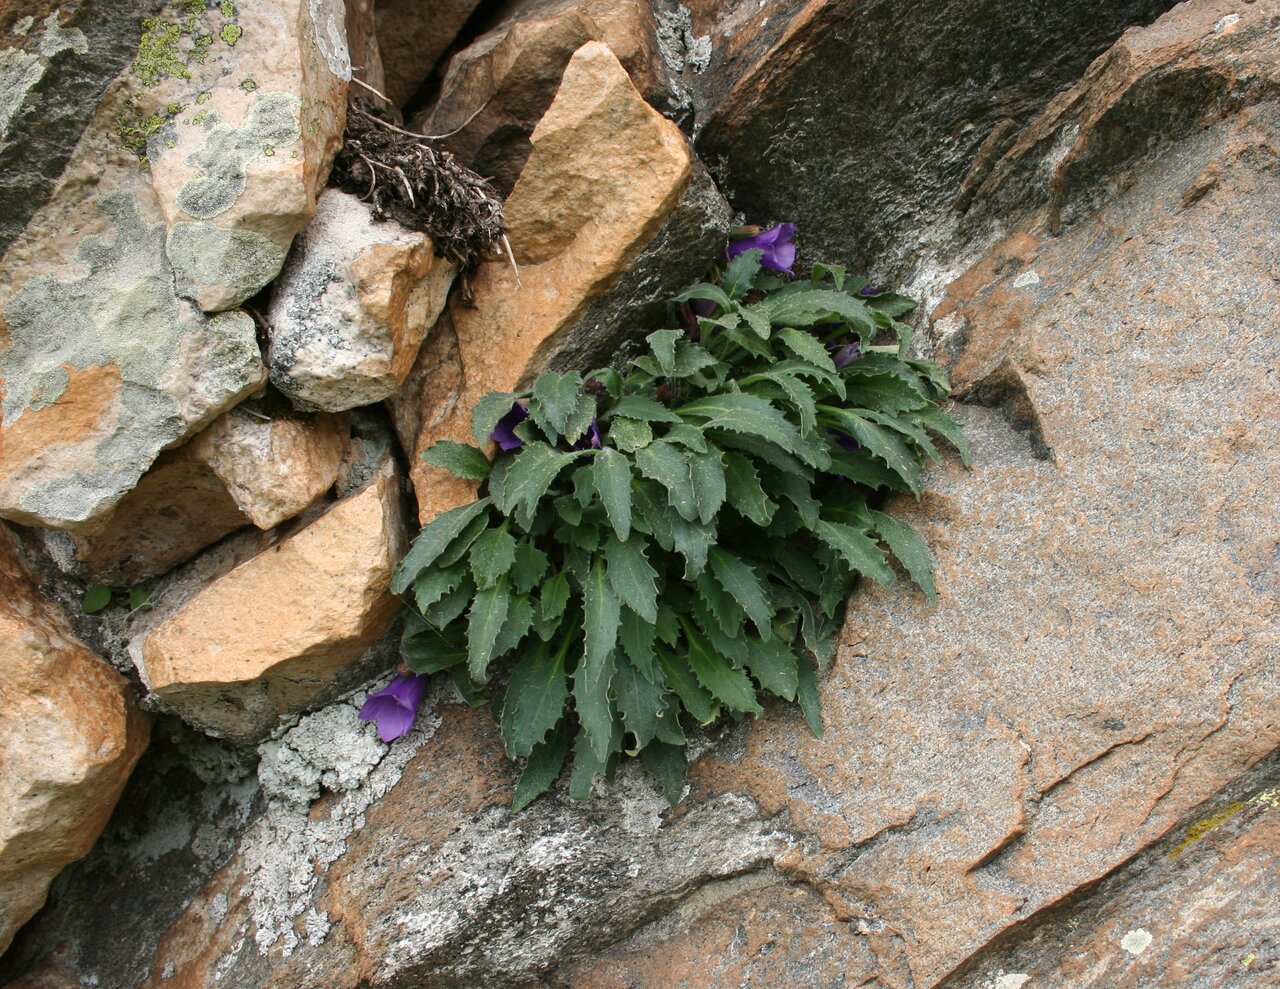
{"points": [[608, 601]]}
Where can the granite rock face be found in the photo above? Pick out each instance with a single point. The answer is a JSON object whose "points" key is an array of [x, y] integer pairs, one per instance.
{"points": [[413, 37], [71, 734], [352, 307]]}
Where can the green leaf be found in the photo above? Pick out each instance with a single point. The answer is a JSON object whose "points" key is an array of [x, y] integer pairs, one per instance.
{"points": [[742, 488], [795, 488], [668, 728], [642, 408], [884, 393], [601, 608], [541, 770], [484, 622], [707, 475], [669, 466], [905, 544], [704, 290], [744, 586], [726, 684], [810, 306], [669, 765], [891, 305], [516, 627], [430, 651], [587, 765], [651, 501], [857, 549], [435, 584], [636, 636], [527, 476], [697, 700], [459, 459], [663, 345], [485, 416], [731, 645], [808, 348], [639, 702], [692, 540], [758, 319], [810, 700], [939, 422], [864, 469], [631, 576], [431, 542], [139, 598], [629, 435], [554, 597], [473, 693], [689, 437], [557, 396], [531, 563], [445, 611], [745, 414], [534, 701], [612, 478], [836, 271], [721, 606], [798, 395], [493, 555], [457, 549], [774, 666], [741, 273], [690, 359], [883, 443]]}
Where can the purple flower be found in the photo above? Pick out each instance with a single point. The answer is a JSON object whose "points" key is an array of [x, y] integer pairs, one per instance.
{"points": [[590, 439], [395, 705], [846, 442], [779, 252], [504, 433], [869, 291], [847, 354]]}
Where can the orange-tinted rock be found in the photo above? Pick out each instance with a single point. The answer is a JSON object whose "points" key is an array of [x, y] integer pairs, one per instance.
{"points": [[71, 734], [268, 638], [362, 43]]}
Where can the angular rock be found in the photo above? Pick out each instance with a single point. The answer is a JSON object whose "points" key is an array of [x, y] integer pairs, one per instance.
{"points": [[497, 88], [102, 366], [607, 178], [250, 127], [362, 43], [71, 734], [352, 307], [268, 638], [261, 463], [413, 38]]}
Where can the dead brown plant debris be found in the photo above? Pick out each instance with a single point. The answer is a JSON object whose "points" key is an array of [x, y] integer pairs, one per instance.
{"points": [[420, 187]]}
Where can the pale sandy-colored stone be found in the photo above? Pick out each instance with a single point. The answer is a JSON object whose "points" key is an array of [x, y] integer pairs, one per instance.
{"points": [[605, 172], [70, 735], [268, 637], [352, 307]]}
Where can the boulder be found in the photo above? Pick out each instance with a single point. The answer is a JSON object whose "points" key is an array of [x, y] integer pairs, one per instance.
{"points": [[269, 638], [70, 736], [497, 88], [362, 43], [352, 307], [250, 129], [413, 38], [260, 464], [608, 177]]}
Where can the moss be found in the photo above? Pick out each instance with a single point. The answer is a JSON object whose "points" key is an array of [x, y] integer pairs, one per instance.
{"points": [[231, 33]]}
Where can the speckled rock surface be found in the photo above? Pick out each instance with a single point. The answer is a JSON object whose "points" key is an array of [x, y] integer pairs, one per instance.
{"points": [[352, 307], [260, 464], [607, 173], [250, 130], [70, 735], [269, 637]]}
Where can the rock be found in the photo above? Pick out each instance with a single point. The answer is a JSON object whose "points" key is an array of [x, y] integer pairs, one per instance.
{"points": [[413, 39], [608, 176], [70, 736], [269, 637], [103, 366], [260, 464], [497, 88], [895, 109], [362, 43], [352, 307], [250, 129]]}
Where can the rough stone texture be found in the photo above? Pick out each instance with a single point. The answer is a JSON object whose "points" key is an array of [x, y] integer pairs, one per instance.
{"points": [[856, 120], [497, 88], [267, 638], [606, 174], [70, 736], [362, 44], [352, 307], [413, 37], [259, 464], [237, 169]]}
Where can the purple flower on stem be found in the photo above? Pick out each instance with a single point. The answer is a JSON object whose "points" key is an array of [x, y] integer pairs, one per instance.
{"points": [[846, 442], [504, 433], [779, 252], [869, 291], [846, 355], [590, 439], [395, 705]]}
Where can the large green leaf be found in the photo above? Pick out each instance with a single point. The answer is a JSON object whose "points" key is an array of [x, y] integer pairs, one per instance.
{"points": [[775, 666], [544, 765], [629, 435], [744, 586], [946, 427], [516, 626], [692, 540], [663, 345], [679, 677], [430, 651], [554, 597], [557, 398], [434, 584], [461, 546], [527, 476], [724, 611], [739, 413], [743, 490], [669, 765], [741, 273], [857, 549], [643, 408], [531, 563], [731, 645], [459, 459], [883, 443], [727, 684], [807, 695], [808, 348], [884, 393], [602, 614], [639, 702], [631, 576], [909, 548], [612, 480], [636, 636], [810, 306], [587, 765], [485, 416], [705, 290], [492, 556], [707, 475], [484, 622], [431, 542], [534, 701], [669, 466]]}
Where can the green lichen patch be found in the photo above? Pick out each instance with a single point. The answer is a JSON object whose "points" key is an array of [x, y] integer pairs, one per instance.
{"points": [[203, 253], [248, 85], [231, 33], [158, 54], [227, 8]]}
